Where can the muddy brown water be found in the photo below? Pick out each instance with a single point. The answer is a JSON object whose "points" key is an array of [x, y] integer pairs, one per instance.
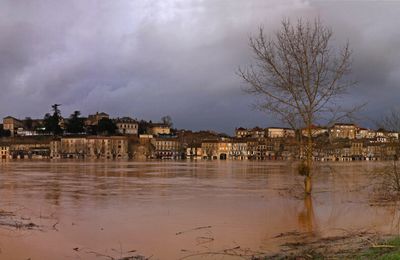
{"points": [[171, 210]]}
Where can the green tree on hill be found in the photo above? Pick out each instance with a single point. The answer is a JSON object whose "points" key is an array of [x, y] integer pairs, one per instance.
{"points": [[75, 123], [106, 126], [52, 122]]}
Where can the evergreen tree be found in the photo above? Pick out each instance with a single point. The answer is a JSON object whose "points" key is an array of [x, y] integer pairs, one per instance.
{"points": [[75, 123], [106, 126], [52, 122]]}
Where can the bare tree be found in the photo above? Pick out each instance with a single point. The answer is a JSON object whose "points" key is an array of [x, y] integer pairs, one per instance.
{"points": [[167, 120], [391, 121], [298, 77], [390, 173]]}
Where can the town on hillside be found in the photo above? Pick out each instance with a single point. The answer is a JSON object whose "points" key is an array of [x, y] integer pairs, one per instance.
{"points": [[100, 137]]}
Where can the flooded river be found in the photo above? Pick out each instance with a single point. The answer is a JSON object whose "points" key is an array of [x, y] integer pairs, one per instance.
{"points": [[172, 210]]}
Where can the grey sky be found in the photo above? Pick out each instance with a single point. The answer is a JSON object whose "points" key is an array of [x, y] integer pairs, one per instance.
{"points": [[146, 59]]}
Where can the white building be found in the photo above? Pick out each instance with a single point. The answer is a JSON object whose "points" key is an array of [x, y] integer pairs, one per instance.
{"points": [[277, 132], [127, 125]]}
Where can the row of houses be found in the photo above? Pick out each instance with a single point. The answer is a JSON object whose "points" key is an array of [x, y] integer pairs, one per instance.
{"points": [[336, 131], [144, 146], [284, 149], [338, 142], [270, 132], [100, 147], [178, 147], [129, 126], [362, 149]]}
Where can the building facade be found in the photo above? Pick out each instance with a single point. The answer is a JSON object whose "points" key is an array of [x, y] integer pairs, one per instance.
{"points": [[4, 151], [127, 125], [343, 131], [159, 129], [167, 148], [107, 147], [12, 124], [277, 132]]}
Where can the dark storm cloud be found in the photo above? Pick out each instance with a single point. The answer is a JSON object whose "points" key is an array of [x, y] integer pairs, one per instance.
{"points": [[372, 29], [150, 58]]}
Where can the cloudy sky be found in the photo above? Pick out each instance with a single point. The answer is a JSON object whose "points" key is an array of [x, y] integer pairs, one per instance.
{"points": [[147, 59]]}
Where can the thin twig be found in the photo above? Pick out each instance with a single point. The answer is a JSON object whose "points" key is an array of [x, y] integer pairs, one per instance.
{"points": [[189, 230]]}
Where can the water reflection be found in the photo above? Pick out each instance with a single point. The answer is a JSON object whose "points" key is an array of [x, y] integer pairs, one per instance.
{"points": [[142, 205], [306, 217]]}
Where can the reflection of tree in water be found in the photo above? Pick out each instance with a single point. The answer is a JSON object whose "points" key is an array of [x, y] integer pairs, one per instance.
{"points": [[348, 208], [338, 183], [306, 217]]}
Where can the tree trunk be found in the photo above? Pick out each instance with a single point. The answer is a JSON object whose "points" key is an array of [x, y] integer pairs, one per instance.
{"points": [[309, 150], [307, 185]]}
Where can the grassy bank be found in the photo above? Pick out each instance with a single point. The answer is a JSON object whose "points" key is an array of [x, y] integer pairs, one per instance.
{"points": [[385, 250], [352, 246]]}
